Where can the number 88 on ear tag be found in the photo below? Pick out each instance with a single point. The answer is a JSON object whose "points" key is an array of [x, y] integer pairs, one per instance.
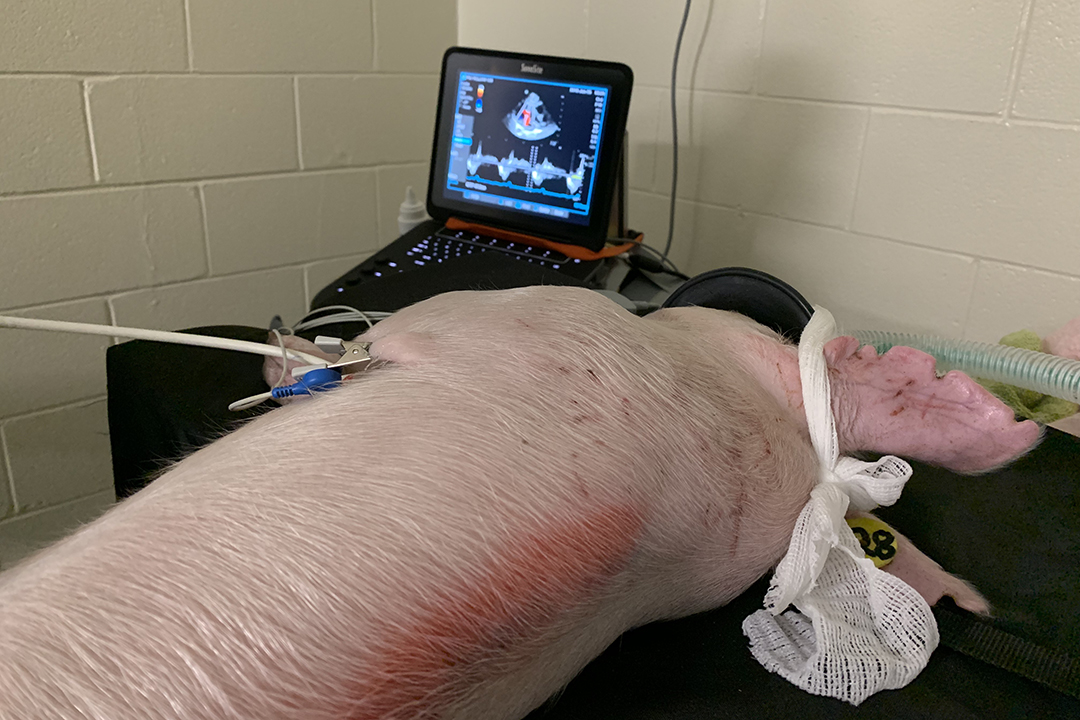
{"points": [[877, 539]]}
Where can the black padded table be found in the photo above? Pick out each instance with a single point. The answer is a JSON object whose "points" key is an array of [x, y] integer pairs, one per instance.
{"points": [[1014, 533]]}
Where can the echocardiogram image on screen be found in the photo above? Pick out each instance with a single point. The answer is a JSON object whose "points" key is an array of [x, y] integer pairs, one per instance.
{"points": [[526, 145]]}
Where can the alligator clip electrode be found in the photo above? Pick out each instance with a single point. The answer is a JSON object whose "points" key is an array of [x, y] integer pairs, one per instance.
{"points": [[353, 356]]}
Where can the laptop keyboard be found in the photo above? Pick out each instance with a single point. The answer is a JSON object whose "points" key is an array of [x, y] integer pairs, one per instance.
{"points": [[447, 244]]}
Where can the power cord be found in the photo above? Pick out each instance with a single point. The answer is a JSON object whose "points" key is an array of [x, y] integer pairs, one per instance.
{"points": [[647, 258]]}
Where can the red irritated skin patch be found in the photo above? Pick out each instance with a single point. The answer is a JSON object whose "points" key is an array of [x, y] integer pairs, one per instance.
{"points": [[533, 583]]}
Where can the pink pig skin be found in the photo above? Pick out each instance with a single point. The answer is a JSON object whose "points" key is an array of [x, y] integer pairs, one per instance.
{"points": [[521, 477], [1065, 341]]}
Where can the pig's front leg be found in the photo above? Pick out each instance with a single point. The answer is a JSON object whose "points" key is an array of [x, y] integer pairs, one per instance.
{"points": [[894, 403], [928, 578]]}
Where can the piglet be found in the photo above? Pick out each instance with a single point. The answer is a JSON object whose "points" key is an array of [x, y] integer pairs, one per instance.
{"points": [[519, 478]]}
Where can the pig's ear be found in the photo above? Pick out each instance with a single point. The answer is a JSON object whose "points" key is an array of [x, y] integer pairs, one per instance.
{"points": [[403, 348], [895, 403], [272, 364]]}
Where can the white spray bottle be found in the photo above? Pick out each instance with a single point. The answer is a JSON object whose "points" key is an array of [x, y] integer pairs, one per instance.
{"points": [[411, 213]]}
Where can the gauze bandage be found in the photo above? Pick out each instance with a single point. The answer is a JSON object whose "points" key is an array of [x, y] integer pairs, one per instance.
{"points": [[855, 629]]}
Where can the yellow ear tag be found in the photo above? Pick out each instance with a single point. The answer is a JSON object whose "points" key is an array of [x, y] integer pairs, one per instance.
{"points": [[877, 539]]}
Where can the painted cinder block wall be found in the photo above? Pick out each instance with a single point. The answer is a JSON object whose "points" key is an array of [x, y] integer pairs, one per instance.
{"points": [[174, 163], [909, 165], [166, 163]]}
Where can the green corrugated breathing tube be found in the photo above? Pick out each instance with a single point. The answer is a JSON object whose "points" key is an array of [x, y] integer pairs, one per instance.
{"points": [[1041, 372]]}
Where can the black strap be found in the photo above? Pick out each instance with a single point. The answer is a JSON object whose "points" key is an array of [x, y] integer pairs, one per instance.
{"points": [[967, 634]]}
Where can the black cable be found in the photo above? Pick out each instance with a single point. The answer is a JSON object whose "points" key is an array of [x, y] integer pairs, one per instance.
{"points": [[675, 132], [657, 263]]}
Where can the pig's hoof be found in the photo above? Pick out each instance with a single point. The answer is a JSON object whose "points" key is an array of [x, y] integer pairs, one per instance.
{"points": [[933, 583], [967, 597]]}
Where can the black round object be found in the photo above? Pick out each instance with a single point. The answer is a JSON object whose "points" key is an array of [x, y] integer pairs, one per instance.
{"points": [[758, 295]]}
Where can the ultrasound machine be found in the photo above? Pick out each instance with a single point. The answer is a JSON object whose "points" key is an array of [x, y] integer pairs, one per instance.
{"points": [[525, 182]]}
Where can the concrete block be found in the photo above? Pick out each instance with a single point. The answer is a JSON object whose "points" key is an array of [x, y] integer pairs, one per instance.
{"points": [[250, 299], [1008, 298], [255, 223], [562, 28], [70, 245], [162, 128], [44, 143], [643, 126], [7, 503], [792, 159], [43, 369], [59, 455], [719, 48], [949, 56], [1049, 84], [689, 151], [367, 120], [865, 282], [1005, 192], [22, 535], [649, 213], [98, 36], [281, 35], [392, 183], [411, 35]]}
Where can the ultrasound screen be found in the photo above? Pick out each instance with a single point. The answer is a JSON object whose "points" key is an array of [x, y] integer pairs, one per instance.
{"points": [[528, 146]]}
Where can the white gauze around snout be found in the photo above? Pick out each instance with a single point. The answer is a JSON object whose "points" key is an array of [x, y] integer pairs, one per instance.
{"points": [[856, 629]]}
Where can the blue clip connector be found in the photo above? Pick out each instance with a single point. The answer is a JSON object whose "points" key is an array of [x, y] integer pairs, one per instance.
{"points": [[312, 381]]}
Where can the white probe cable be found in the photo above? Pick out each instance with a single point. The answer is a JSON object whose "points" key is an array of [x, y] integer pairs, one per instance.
{"points": [[332, 314], [252, 401], [158, 336]]}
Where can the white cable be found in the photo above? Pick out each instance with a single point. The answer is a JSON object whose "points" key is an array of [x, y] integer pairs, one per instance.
{"points": [[284, 359], [250, 402], [345, 314], [157, 336], [253, 400], [346, 308]]}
